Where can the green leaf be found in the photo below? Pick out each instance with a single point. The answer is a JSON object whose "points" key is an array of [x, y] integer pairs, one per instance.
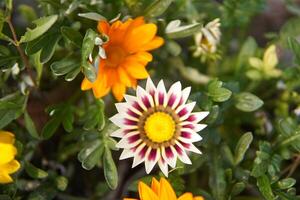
{"points": [[248, 102], [289, 134], [217, 92], [30, 126], [11, 107], [174, 30], [93, 16], [27, 12], [61, 183], [247, 50], [38, 66], [262, 160], [64, 66], [295, 47], [110, 170], [49, 48], [91, 154], [157, 8], [87, 48], [35, 172], [72, 35], [50, 128], [42, 25], [286, 183], [242, 147], [238, 188], [264, 186], [95, 116], [7, 61]]}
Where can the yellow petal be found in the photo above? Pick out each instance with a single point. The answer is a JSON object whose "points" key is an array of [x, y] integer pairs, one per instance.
{"points": [[86, 84], [186, 196], [166, 190], [5, 178], [10, 167], [119, 90], [155, 185], [7, 137], [7, 153], [270, 57], [146, 193], [256, 62]]}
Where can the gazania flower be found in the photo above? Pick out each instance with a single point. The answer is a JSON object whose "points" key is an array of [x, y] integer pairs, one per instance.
{"points": [[125, 58], [8, 164], [157, 126], [208, 38], [161, 191]]}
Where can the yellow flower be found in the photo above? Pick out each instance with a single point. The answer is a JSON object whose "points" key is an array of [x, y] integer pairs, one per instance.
{"points": [[264, 68], [126, 56], [161, 191], [8, 164]]}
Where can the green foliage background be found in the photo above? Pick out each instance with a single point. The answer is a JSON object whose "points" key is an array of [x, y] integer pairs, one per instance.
{"points": [[251, 147]]}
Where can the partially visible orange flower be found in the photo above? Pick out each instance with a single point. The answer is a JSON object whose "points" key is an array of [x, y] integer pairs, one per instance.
{"points": [[161, 191], [126, 56]]}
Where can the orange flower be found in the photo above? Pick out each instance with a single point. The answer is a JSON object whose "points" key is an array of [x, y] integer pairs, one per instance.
{"points": [[126, 56], [161, 191]]}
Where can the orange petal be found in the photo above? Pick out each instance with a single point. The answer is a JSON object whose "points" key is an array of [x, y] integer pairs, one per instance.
{"points": [[146, 193], [103, 27], [86, 84], [136, 70], [119, 90], [143, 57], [166, 190], [155, 185], [154, 44], [129, 199], [7, 137], [117, 31], [186, 196], [124, 77], [139, 37], [133, 24]]}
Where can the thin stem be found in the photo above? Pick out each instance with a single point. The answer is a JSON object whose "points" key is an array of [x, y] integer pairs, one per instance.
{"points": [[20, 50]]}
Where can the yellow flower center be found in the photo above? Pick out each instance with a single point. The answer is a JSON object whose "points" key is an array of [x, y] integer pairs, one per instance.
{"points": [[159, 127], [115, 56]]}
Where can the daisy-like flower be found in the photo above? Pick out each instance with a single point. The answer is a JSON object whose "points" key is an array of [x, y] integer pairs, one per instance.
{"points": [[8, 151], [158, 126], [161, 190], [126, 56], [208, 38]]}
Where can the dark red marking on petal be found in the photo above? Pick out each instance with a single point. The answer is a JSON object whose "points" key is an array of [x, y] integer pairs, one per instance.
{"points": [[131, 113], [172, 100], [169, 153], [192, 118], [137, 106], [130, 122], [161, 97], [185, 145], [191, 126], [186, 134], [152, 154], [183, 112], [146, 101], [178, 149], [133, 138], [142, 153]]}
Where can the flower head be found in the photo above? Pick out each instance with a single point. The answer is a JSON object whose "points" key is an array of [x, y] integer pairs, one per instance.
{"points": [[208, 38], [264, 68], [158, 126], [161, 190], [8, 164], [125, 58]]}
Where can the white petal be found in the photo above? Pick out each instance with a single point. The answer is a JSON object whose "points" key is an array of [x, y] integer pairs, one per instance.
{"points": [[131, 100], [161, 90], [138, 159], [126, 144], [183, 157], [199, 116], [118, 120], [192, 136], [118, 133], [150, 87], [141, 93], [127, 153], [170, 160], [188, 108], [199, 127], [192, 148], [175, 90], [185, 95], [149, 164], [163, 166]]}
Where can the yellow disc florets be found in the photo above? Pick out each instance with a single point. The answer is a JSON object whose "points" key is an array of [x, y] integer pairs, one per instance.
{"points": [[160, 127]]}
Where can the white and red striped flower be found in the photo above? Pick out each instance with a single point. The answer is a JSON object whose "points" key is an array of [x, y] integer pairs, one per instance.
{"points": [[158, 126]]}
